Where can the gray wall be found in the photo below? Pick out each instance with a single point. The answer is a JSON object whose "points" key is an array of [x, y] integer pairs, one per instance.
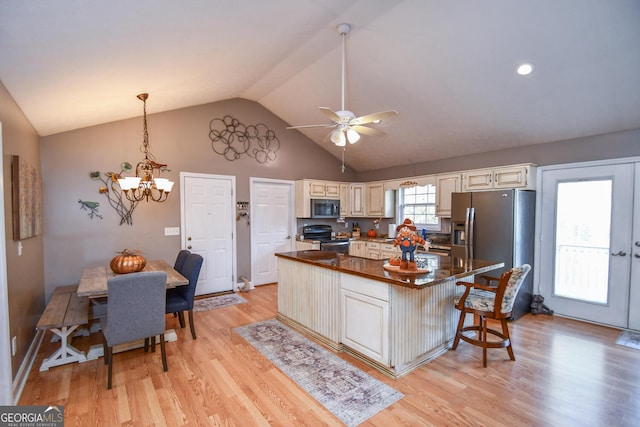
{"points": [[25, 274], [179, 138], [597, 147]]}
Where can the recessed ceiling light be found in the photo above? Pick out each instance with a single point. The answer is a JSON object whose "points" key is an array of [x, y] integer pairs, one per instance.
{"points": [[524, 69]]}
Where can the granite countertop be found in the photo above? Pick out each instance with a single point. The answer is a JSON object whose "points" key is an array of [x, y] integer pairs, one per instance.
{"points": [[439, 268]]}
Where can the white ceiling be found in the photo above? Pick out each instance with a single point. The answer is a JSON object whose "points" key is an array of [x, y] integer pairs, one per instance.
{"points": [[447, 67]]}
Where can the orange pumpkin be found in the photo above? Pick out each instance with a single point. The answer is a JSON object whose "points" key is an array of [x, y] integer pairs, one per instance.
{"points": [[127, 262], [372, 233]]}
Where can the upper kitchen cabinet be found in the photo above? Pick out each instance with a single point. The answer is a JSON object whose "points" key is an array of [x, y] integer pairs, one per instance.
{"points": [[307, 189], [515, 176], [357, 199], [324, 189], [345, 202], [380, 202], [445, 185]]}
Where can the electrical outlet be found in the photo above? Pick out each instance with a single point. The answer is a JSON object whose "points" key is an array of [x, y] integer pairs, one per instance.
{"points": [[14, 345], [172, 231]]}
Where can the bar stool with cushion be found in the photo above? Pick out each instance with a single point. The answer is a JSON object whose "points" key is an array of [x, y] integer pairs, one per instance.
{"points": [[489, 302], [135, 311]]}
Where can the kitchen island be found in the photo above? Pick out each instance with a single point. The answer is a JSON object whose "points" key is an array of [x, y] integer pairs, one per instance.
{"points": [[391, 320]]}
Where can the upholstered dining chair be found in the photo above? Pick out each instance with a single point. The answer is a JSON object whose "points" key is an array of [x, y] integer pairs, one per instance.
{"points": [[180, 299], [180, 259], [135, 311], [489, 302]]}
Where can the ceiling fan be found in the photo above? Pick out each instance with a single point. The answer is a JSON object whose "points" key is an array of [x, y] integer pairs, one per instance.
{"points": [[347, 126]]}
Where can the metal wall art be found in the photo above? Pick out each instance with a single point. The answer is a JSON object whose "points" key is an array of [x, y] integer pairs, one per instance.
{"points": [[92, 207], [232, 139], [111, 190]]}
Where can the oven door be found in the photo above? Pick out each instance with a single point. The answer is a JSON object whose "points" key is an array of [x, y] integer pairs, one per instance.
{"points": [[340, 247]]}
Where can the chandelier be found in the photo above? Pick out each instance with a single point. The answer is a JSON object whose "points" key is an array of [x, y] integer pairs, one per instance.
{"points": [[144, 185]]}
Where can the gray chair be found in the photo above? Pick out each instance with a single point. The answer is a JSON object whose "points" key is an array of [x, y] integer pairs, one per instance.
{"points": [[136, 305], [181, 298]]}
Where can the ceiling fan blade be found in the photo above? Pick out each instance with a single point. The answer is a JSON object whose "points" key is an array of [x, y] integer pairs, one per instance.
{"points": [[328, 125], [370, 118], [366, 130], [331, 114]]}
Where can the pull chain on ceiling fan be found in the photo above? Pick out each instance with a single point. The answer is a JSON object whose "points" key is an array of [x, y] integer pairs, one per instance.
{"points": [[347, 126]]}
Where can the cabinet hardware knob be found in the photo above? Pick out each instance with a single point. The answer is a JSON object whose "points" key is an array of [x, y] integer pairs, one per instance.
{"points": [[620, 253], [189, 247]]}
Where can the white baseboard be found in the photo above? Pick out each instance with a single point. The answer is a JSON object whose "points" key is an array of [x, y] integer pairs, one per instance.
{"points": [[26, 365]]}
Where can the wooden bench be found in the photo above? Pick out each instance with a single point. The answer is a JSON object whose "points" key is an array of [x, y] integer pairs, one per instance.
{"points": [[65, 312]]}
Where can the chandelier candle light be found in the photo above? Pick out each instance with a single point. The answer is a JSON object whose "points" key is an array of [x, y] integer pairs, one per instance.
{"points": [[144, 185]]}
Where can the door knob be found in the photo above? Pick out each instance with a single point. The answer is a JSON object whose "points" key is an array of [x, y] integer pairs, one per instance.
{"points": [[621, 253], [189, 247]]}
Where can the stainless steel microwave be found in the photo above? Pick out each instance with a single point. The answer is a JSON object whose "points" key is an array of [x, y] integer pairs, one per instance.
{"points": [[321, 208]]}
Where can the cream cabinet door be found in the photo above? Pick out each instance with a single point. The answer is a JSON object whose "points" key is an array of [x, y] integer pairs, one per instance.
{"points": [[365, 317], [445, 185], [316, 188], [332, 190], [357, 192], [358, 248], [345, 205], [511, 177], [481, 179], [375, 199]]}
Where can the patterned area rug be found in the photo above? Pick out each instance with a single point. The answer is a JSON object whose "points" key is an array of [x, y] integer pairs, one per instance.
{"points": [[629, 339], [350, 394], [219, 301]]}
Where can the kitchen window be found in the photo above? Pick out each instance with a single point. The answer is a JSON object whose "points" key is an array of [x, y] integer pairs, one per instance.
{"points": [[419, 204]]}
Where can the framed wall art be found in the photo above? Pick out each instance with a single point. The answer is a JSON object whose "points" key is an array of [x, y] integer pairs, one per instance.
{"points": [[26, 193]]}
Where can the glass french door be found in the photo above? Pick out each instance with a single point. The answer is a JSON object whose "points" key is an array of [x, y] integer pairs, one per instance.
{"points": [[586, 243]]}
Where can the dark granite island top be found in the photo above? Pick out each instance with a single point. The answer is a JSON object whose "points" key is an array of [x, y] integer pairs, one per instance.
{"points": [[439, 268], [390, 320]]}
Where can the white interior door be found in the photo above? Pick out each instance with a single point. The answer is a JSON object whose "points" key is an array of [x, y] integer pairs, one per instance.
{"points": [[272, 226], [634, 291], [586, 216], [208, 228]]}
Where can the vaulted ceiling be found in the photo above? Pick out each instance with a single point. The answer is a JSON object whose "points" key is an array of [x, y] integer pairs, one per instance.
{"points": [[447, 67]]}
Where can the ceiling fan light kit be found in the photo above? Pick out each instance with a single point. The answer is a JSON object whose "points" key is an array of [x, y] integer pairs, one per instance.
{"points": [[348, 126]]}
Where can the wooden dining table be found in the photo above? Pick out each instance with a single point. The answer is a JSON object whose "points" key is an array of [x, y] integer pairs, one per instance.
{"points": [[93, 284]]}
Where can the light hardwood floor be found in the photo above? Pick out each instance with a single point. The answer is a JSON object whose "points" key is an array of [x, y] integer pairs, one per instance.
{"points": [[566, 373]]}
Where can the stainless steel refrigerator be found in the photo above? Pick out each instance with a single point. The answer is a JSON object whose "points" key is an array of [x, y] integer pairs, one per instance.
{"points": [[496, 226]]}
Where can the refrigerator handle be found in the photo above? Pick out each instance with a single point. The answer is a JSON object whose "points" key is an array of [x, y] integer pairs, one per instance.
{"points": [[471, 214]]}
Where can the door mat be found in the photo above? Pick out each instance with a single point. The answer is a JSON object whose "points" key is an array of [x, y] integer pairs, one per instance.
{"points": [[347, 392], [629, 339], [219, 301]]}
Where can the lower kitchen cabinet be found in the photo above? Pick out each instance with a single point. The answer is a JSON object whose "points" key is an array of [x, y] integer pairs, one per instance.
{"points": [[358, 248], [365, 318], [373, 250], [307, 246]]}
